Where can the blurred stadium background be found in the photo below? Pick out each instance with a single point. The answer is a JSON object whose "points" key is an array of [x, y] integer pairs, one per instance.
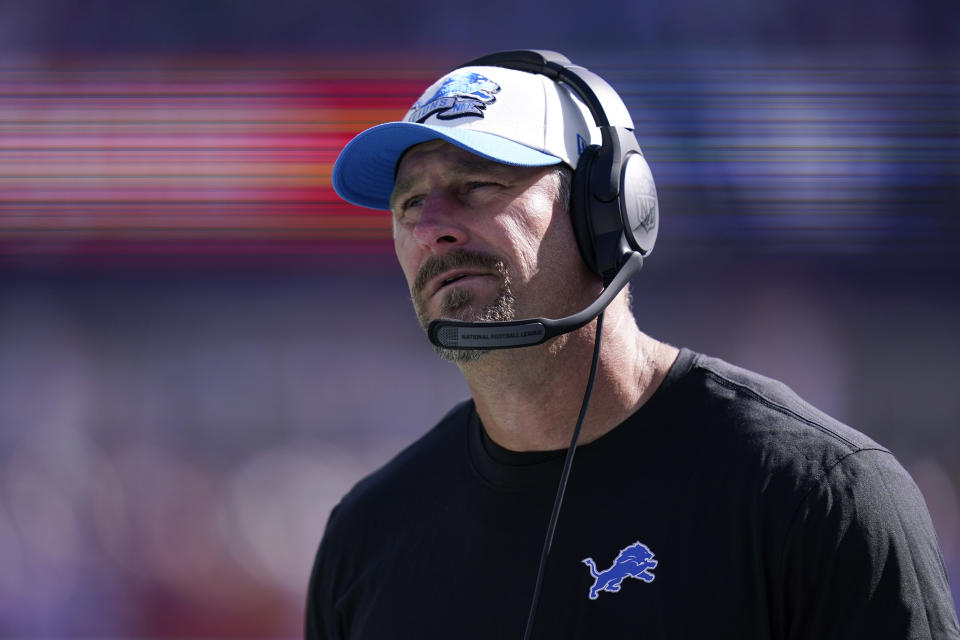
{"points": [[202, 349]]}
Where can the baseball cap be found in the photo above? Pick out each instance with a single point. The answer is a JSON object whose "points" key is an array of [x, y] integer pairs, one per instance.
{"points": [[505, 115]]}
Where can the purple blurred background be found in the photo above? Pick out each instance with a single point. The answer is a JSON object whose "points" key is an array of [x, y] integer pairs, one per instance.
{"points": [[180, 410]]}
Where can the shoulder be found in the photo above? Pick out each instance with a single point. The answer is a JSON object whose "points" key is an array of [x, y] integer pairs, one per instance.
{"points": [[845, 526], [764, 414], [364, 530], [781, 451], [807, 470], [413, 471]]}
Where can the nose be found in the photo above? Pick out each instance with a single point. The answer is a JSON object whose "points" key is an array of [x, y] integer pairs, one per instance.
{"points": [[440, 224]]}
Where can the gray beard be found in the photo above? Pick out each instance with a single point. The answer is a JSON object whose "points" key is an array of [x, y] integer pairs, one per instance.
{"points": [[458, 305]]}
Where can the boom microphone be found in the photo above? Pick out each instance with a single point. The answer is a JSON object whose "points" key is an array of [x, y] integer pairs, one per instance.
{"points": [[454, 334]]}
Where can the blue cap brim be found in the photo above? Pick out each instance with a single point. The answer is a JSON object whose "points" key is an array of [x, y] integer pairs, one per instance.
{"points": [[364, 171]]}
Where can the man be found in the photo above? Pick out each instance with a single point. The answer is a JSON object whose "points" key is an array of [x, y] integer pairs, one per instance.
{"points": [[706, 501]]}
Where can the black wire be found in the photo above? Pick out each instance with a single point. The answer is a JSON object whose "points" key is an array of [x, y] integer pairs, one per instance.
{"points": [[568, 462]]}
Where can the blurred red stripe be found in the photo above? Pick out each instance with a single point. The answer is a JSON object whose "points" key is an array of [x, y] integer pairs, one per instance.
{"points": [[213, 160]]}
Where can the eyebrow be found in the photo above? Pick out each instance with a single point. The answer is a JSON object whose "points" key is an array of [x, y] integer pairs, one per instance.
{"points": [[463, 168]]}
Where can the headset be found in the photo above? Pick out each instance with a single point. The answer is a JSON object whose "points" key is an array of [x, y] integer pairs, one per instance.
{"points": [[613, 207]]}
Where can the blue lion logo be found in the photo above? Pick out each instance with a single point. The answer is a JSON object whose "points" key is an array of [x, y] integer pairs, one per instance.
{"points": [[635, 561], [462, 94]]}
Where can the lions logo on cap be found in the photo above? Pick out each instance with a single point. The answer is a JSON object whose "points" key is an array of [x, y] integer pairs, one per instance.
{"points": [[462, 94]]}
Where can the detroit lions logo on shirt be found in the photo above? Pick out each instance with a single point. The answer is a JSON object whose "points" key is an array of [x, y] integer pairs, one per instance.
{"points": [[633, 561], [462, 94]]}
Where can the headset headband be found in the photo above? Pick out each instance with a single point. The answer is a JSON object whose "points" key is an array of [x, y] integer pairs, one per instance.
{"points": [[604, 103]]}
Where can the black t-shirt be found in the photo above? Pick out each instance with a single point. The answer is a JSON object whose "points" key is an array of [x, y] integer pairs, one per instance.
{"points": [[725, 507]]}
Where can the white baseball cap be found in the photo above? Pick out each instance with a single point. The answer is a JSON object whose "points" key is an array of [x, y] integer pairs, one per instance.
{"points": [[509, 116]]}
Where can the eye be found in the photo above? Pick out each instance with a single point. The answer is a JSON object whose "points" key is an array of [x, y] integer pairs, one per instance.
{"points": [[404, 206], [409, 203], [480, 188]]}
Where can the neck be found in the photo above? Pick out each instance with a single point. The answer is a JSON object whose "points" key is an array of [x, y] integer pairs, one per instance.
{"points": [[529, 399]]}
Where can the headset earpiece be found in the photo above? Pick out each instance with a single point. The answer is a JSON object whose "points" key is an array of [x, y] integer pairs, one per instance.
{"points": [[613, 204], [639, 205], [580, 205]]}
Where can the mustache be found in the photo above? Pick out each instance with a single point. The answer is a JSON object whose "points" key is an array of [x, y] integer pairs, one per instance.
{"points": [[459, 258]]}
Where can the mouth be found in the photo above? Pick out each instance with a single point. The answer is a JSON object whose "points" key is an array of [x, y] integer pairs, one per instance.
{"points": [[452, 277]]}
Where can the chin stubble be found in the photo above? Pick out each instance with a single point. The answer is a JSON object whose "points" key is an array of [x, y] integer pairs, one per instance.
{"points": [[458, 303]]}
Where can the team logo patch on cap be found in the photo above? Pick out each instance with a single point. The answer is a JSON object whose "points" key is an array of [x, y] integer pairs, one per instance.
{"points": [[462, 94]]}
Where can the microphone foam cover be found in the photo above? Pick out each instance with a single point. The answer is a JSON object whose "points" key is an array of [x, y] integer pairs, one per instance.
{"points": [[448, 336]]}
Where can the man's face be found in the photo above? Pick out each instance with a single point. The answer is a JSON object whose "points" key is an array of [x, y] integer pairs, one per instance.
{"points": [[478, 240]]}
